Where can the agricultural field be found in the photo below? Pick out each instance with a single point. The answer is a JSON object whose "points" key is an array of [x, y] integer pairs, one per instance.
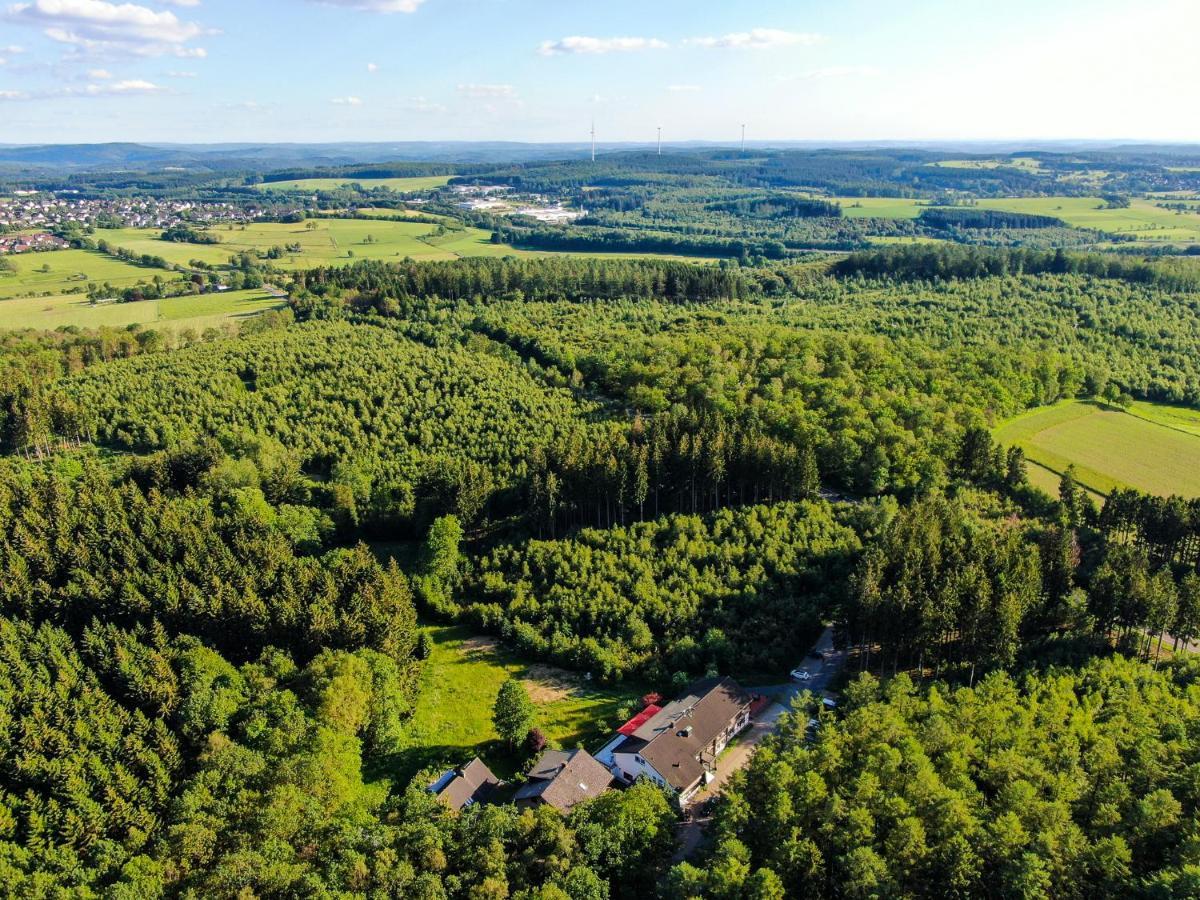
{"points": [[384, 212], [881, 207], [459, 684], [336, 242], [1022, 163], [56, 272], [1142, 220], [402, 185], [176, 313], [1111, 448], [331, 241], [1181, 418]]}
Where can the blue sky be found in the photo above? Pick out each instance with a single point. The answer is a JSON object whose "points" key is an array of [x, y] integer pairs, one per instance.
{"points": [[539, 70]]}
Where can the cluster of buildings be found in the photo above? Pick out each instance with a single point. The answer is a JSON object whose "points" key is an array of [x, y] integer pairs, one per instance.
{"points": [[675, 745], [48, 210], [499, 200], [30, 243]]}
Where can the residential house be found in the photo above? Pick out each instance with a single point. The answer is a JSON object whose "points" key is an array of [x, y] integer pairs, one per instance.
{"points": [[677, 745], [563, 778], [466, 785]]}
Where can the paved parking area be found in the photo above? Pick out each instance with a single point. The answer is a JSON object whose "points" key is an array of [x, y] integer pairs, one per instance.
{"points": [[822, 672]]}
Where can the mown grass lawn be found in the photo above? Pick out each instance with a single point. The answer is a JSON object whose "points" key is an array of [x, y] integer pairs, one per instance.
{"points": [[459, 684], [1110, 448]]}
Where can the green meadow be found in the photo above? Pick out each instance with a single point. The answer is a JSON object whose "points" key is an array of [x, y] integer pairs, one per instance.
{"points": [[881, 207], [1143, 449], [195, 312], [59, 271], [1142, 220], [403, 185], [459, 683], [332, 241], [1023, 163]]}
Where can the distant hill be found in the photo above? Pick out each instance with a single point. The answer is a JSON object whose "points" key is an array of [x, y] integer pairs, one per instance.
{"points": [[151, 157]]}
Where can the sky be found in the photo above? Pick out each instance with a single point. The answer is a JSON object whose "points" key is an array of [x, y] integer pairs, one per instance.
{"points": [[82, 71]]}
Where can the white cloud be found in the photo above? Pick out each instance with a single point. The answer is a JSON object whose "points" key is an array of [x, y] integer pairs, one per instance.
{"points": [[379, 6], [180, 2], [100, 74], [131, 86], [683, 88], [594, 45], [12, 49], [488, 91], [372, 68], [178, 74], [758, 39], [347, 101], [96, 26], [422, 105]]}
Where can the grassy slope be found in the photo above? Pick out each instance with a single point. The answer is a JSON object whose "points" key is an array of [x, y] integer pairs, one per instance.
{"points": [[176, 312], [1142, 220], [420, 183], [459, 684], [880, 207], [1109, 448], [332, 241], [68, 269]]}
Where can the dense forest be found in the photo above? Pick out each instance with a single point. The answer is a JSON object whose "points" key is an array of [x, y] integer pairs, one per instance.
{"points": [[641, 471], [1069, 783], [674, 597]]}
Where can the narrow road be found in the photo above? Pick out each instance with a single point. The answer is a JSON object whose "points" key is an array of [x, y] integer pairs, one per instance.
{"points": [[823, 665]]}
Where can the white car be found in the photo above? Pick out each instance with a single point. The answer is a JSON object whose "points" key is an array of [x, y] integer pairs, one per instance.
{"points": [[801, 675]]}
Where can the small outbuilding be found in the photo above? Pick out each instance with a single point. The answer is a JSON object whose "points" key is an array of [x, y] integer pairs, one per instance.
{"points": [[466, 785]]}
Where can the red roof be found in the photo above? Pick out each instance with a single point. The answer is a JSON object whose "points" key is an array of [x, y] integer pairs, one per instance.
{"points": [[639, 720]]}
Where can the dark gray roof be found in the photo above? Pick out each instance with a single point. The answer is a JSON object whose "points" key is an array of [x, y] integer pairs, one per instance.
{"points": [[564, 778], [472, 782], [706, 709]]}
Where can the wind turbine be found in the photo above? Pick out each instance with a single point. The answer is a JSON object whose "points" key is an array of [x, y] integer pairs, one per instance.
{"points": [[660, 140], [743, 139], [593, 140]]}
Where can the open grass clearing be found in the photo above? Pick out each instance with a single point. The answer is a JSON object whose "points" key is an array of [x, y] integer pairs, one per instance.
{"points": [[1109, 448], [402, 185], [58, 272], [1021, 163], [881, 207], [175, 313], [459, 684], [331, 241], [1141, 220]]}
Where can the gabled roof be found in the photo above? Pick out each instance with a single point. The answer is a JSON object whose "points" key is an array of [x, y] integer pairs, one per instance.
{"points": [[470, 783], [629, 729], [563, 779], [676, 736]]}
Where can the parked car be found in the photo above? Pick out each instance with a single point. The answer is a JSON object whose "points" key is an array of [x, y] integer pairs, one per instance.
{"points": [[801, 675]]}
